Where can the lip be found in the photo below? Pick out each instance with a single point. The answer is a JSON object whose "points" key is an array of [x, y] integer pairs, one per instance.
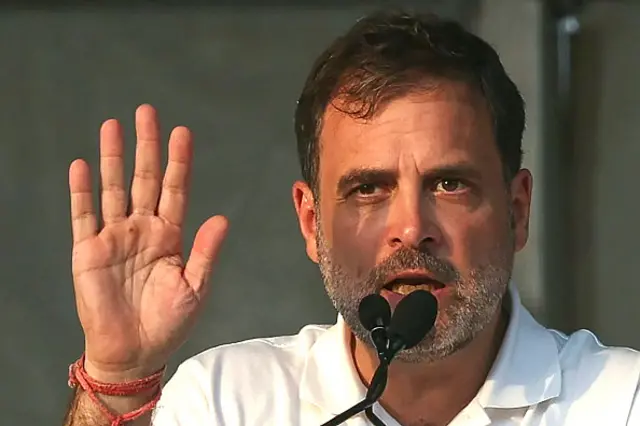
{"points": [[417, 276], [394, 298]]}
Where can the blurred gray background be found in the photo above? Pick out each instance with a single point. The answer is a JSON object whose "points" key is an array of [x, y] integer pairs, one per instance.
{"points": [[232, 74]]}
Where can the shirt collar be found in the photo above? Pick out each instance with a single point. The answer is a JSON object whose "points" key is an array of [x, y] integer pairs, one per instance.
{"points": [[526, 370], [329, 379]]}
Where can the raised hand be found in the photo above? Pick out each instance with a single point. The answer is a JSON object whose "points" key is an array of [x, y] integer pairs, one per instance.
{"points": [[136, 296]]}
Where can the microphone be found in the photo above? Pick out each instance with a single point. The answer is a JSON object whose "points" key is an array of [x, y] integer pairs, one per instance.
{"points": [[375, 313], [414, 316]]}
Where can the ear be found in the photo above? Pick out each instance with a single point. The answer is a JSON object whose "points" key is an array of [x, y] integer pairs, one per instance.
{"points": [[521, 195], [305, 205]]}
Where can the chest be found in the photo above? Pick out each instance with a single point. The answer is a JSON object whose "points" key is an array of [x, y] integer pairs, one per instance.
{"points": [[543, 414]]}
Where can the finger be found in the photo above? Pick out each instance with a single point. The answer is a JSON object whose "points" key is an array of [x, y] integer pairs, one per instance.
{"points": [[206, 247], [83, 217], [114, 195], [175, 186], [145, 187]]}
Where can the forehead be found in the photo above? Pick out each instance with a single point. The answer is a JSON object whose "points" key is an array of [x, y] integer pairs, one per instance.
{"points": [[447, 125]]}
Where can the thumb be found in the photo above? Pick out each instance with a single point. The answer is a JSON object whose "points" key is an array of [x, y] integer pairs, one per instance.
{"points": [[206, 246]]}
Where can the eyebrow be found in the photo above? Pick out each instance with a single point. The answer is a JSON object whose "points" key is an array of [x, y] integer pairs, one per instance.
{"points": [[359, 176]]}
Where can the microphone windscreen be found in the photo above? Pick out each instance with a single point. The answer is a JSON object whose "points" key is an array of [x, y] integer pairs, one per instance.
{"points": [[374, 311], [414, 316]]}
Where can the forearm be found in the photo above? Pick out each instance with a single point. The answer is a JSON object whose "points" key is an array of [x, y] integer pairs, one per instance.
{"points": [[83, 411]]}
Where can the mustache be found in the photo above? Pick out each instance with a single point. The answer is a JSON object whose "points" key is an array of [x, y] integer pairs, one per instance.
{"points": [[406, 259]]}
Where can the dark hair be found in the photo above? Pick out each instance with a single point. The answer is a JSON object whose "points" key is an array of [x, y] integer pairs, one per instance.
{"points": [[387, 55]]}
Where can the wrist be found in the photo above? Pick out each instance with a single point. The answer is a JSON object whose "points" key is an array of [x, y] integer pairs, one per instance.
{"points": [[120, 395], [119, 375]]}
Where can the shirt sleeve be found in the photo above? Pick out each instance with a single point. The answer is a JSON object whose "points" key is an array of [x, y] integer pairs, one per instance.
{"points": [[184, 401]]}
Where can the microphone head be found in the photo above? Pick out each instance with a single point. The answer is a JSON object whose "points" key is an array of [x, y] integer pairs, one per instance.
{"points": [[414, 317], [374, 311]]}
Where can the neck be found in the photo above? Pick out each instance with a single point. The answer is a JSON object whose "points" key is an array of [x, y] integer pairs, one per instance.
{"points": [[435, 392]]}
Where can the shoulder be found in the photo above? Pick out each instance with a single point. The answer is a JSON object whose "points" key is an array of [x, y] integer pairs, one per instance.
{"points": [[231, 380], [598, 379], [255, 359], [582, 350], [258, 358]]}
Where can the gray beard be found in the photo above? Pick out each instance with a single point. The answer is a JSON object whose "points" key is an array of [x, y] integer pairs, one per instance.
{"points": [[474, 300]]}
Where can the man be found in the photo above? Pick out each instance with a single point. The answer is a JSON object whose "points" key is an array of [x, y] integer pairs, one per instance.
{"points": [[409, 137]]}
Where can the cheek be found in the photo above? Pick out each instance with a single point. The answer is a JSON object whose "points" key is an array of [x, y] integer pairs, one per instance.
{"points": [[355, 240], [472, 239]]}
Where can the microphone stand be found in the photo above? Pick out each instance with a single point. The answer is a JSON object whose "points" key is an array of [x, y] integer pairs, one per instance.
{"points": [[378, 384], [401, 334], [376, 388], [372, 417], [375, 391]]}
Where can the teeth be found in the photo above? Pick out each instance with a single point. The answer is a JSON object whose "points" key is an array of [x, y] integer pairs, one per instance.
{"points": [[408, 288]]}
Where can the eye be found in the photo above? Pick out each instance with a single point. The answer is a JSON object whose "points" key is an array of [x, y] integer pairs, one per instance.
{"points": [[365, 189], [450, 185]]}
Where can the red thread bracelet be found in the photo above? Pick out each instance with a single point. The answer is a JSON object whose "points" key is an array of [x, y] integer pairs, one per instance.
{"points": [[78, 377]]}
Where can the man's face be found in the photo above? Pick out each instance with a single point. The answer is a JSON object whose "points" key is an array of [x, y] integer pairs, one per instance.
{"points": [[418, 192]]}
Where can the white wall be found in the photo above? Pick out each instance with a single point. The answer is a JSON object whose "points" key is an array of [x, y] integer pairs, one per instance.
{"points": [[607, 155], [600, 174], [513, 28]]}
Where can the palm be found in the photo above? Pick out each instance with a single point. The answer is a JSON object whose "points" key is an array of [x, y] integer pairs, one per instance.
{"points": [[137, 285], [136, 297]]}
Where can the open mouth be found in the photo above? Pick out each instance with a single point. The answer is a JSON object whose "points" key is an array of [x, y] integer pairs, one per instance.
{"points": [[407, 283]]}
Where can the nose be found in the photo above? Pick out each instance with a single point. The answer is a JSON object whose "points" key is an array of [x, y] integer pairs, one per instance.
{"points": [[412, 223]]}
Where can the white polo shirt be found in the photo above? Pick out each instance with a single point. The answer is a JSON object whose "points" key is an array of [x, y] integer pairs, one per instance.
{"points": [[540, 378]]}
